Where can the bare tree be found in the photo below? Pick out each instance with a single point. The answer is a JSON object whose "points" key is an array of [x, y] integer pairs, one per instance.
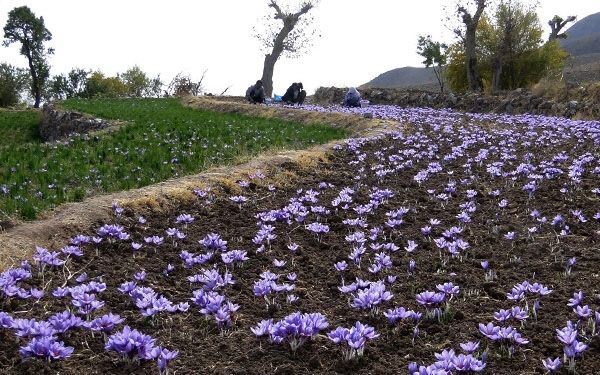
{"points": [[286, 34], [556, 25], [183, 85], [468, 37]]}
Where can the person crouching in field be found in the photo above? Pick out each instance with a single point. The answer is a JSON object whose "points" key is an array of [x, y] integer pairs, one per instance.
{"points": [[256, 93], [352, 98], [295, 94]]}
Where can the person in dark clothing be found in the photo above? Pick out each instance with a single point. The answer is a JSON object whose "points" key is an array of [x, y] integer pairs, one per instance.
{"points": [[295, 94], [256, 93], [352, 98]]}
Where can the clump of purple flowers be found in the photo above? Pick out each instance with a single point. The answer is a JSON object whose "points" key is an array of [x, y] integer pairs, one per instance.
{"points": [[449, 362], [572, 347], [370, 297], [294, 329], [355, 337], [508, 337], [318, 229], [46, 347], [135, 346], [213, 304], [112, 232], [185, 219], [267, 285], [213, 242]]}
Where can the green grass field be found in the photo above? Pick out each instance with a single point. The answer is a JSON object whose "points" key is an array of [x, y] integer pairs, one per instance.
{"points": [[162, 139]]}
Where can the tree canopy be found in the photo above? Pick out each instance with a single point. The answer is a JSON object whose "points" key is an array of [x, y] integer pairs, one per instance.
{"points": [[510, 50], [435, 57], [30, 31]]}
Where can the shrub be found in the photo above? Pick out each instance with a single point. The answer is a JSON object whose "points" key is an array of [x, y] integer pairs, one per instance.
{"points": [[100, 86], [13, 81]]}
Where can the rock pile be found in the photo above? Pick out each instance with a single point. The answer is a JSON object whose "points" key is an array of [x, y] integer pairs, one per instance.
{"points": [[57, 124]]}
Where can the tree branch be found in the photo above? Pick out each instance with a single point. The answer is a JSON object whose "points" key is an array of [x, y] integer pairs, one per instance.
{"points": [[479, 11], [278, 13], [306, 7]]}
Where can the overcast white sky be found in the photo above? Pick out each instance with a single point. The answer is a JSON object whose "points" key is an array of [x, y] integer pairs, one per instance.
{"points": [[360, 39]]}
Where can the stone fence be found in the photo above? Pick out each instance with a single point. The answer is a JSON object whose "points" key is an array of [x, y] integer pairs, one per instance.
{"points": [[583, 103]]}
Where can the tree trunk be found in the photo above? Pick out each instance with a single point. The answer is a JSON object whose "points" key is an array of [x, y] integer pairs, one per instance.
{"points": [[36, 90], [496, 75], [470, 40], [440, 76], [271, 59], [473, 77], [267, 76]]}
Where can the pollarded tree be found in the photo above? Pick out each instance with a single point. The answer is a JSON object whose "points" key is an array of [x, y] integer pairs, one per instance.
{"points": [[286, 34], [557, 23], [24, 27], [435, 57], [468, 37]]}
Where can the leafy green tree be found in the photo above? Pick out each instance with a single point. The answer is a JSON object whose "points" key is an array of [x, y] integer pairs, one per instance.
{"points": [[136, 81], [138, 84], [57, 88], [100, 86], [510, 50], [77, 79], [456, 73], [514, 33], [155, 88], [13, 81], [71, 85], [25, 28], [435, 57]]}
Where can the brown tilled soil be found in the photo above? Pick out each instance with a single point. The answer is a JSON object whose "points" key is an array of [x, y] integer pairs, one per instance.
{"points": [[206, 350]]}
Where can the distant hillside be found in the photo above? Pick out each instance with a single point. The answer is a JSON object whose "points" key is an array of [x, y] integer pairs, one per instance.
{"points": [[584, 36], [407, 77]]}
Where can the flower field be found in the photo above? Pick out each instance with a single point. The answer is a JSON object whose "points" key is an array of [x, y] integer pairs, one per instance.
{"points": [[162, 140], [468, 245]]}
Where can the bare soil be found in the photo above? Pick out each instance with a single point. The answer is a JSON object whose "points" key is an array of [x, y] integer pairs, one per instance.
{"points": [[204, 349]]}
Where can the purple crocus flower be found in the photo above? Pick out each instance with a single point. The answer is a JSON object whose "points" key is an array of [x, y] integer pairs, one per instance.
{"points": [[470, 347], [341, 266], [490, 331], [428, 298], [184, 218], [551, 365], [164, 358], [105, 323]]}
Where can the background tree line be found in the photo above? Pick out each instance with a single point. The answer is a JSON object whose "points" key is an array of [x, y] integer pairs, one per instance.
{"points": [[15, 85], [35, 83]]}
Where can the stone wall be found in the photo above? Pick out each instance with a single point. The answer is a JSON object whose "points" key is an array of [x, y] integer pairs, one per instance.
{"points": [[58, 124], [581, 103]]}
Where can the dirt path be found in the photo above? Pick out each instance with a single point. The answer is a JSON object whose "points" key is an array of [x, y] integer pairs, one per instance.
{"points": [[57, 226]]}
